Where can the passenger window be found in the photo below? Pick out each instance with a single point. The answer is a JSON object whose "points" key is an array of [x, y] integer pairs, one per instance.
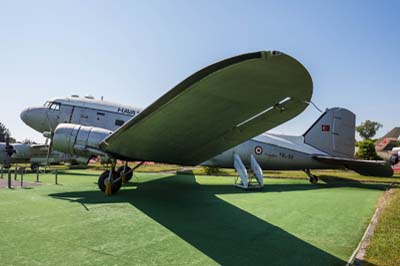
{"points": [[119, 122]]}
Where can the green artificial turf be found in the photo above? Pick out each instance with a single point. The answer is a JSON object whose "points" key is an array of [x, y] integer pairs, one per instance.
{"points": [[161, 219]]}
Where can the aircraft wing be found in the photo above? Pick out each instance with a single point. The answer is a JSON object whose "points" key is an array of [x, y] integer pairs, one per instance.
{"points": [[363, 167], [215, 109]]}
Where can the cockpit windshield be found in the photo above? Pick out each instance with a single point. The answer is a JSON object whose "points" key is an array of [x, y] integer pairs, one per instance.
{"points": [[54, 106]]}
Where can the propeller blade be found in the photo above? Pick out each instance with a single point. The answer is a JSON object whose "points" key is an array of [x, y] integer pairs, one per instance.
{"points": [[50, 147], [9, 148]]}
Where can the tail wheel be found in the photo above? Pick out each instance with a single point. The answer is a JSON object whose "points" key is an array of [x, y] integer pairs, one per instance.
{"points": [[394, 159], [34, 166], [128, 172], [116, 184], [313, 179]]}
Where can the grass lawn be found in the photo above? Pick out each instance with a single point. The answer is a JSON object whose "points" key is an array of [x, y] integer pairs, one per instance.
{"points": [[384, 248], [161, 219]]}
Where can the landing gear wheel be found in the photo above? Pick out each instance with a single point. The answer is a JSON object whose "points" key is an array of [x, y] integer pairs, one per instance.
{"points": [[313, 179], [34, 166], [128, 172], [116, 184]]}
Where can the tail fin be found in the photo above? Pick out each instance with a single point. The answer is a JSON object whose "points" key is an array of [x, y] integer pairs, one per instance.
{"points": [[333, 133], [387, 142]]}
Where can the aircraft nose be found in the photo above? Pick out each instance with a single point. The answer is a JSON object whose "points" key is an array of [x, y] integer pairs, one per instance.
{"points": [[25, 115], [34, 118]]}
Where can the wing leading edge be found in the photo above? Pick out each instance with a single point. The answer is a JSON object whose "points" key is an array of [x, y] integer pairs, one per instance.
{"points": [[215, 109]]}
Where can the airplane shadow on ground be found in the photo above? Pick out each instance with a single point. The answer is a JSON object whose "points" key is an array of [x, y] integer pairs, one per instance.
{"points": [[223, 232]]}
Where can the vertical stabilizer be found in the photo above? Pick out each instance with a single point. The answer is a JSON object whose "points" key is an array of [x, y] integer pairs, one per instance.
{"points": [[333, 133]]}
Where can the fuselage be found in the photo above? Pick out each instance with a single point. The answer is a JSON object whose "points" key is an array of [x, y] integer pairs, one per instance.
{"points": [[76, 110], [275, 152], [272, 152]]}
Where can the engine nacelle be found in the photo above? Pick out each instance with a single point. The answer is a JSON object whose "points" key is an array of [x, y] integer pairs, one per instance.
{"points": [[79, 140]]}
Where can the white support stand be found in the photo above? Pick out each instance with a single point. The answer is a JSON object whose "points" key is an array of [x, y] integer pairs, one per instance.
{"points": [[247, 181], [242, 171], [257, 171]]}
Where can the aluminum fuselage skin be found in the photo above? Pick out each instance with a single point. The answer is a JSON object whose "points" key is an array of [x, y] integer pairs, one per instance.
{"points": [[272, 152]]}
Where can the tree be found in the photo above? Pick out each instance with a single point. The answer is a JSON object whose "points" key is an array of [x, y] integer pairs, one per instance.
{"points": [[3, 132], [366, 150], [368, 129], [28, 141]]}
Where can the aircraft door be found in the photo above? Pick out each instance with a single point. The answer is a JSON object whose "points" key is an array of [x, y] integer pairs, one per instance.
{"points": [[85, 118], [79, 116]]}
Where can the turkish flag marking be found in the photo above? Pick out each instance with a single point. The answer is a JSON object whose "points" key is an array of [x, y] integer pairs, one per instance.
{"points": [[326, 128]]}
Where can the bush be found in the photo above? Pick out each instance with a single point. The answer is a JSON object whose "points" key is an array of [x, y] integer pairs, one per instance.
{"points": [[211, 170], [366, 150]]}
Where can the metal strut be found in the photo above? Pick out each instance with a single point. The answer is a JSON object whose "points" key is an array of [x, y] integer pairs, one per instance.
{"points": [[110, 179]]}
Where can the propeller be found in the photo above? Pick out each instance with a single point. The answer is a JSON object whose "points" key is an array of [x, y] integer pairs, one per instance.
{"points": [[49, 137], [49, 144], [9, 149]]}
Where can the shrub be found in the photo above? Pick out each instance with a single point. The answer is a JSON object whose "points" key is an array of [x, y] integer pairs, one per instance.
{"points": [[366, 150], [211, 170]]}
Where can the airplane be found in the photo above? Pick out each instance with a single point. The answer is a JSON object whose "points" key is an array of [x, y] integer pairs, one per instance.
{"points": [[386, 146], [213, 110], [33, 154]]}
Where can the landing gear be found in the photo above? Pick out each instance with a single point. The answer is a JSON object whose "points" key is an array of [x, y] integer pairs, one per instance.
{"points": [[110, 183], [34, 166], [312, 178], [125, 172]]}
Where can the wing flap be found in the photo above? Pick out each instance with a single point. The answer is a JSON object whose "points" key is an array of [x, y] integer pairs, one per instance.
{"points": [[363, 167], [215, 109]]}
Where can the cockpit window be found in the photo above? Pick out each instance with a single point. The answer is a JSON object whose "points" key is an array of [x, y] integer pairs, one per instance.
{"points": [[47, 104], [55, 106]]}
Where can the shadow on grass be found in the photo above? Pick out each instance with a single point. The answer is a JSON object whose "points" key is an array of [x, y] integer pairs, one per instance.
{"points": [[78, 173], [223, 232]]}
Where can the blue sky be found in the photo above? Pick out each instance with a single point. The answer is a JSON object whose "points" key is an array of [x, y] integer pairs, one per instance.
{"points": [[135, 51]]}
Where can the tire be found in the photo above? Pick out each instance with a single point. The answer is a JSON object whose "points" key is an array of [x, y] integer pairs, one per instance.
{"points": [[115, 187], [34, 166], [313, 179], [127, 170]]}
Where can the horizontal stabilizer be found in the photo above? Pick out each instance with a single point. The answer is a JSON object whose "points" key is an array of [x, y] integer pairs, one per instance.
{"points": [[363, 167]]}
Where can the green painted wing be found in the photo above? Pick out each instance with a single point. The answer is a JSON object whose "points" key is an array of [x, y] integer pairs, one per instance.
{"points": [[215, 109]]}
